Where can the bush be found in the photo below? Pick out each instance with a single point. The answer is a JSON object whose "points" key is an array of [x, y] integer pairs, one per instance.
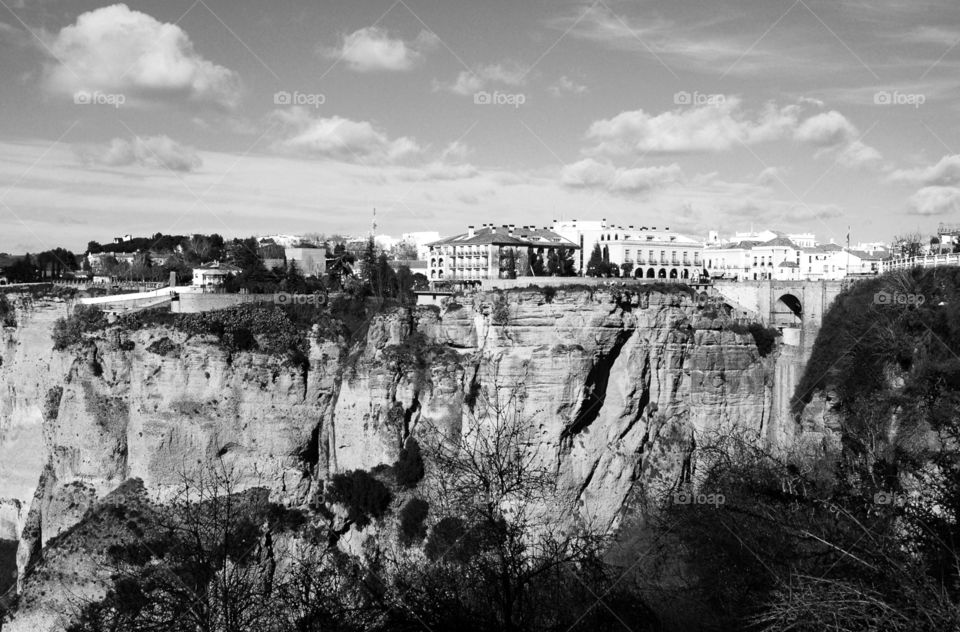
{"points": [[51, 403], [69, 331], [451, 541], [364, 496], [500, 314], [548, 293], [409, 467], [765, 337], [8, 316], [412, 517]]}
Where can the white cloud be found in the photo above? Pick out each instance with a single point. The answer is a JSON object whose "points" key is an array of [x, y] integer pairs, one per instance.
{"points": [[116, 50], [946, 172], [566, 85], [829, 129], [151, 151], [833, 135], [589, 173], [339, 138], [710, 128], [469, 82], [371, 49], [935, 200]]}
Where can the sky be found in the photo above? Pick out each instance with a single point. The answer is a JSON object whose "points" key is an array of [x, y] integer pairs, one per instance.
{"points": [[291, 116]]}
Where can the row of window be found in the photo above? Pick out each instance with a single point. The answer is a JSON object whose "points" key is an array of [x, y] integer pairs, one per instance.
{"points": [[652, 258]]}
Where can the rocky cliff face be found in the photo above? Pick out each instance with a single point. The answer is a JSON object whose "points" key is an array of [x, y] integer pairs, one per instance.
{"points": [[29, 369], [615, 387]]}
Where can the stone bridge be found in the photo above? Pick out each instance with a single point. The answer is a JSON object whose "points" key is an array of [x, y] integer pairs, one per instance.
{"points": [[798, 305]]}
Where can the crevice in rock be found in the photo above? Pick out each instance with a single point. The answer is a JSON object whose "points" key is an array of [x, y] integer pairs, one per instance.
{"points": [[408, 415], [596, 387], [310, 453]]}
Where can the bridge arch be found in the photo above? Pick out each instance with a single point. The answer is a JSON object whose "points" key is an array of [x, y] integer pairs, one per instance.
{"points": [[787, 311]]}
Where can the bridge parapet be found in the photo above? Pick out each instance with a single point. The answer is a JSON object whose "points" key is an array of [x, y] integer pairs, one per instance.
{"points": [[929, 261]]}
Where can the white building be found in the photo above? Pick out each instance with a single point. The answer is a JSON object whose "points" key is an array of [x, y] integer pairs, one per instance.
{"points": [[421, 240], [213, 274], [310, 261], [651, 252], [495, 252]]}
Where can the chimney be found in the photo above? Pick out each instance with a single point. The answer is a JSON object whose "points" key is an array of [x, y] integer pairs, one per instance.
{"points": [[469, 231]]}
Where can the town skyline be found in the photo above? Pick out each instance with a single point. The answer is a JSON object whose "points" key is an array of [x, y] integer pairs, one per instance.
{"points": [[206, 116]]}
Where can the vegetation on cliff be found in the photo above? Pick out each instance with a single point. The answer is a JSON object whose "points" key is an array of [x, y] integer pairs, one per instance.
{"points": [[864, 535]]}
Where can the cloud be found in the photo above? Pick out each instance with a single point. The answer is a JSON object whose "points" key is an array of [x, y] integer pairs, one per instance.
{"points": [[589, 173], [710, 128], [945, 173], [469, 82], [372, 49], [151, 151], [565, 85], [339, 138], [826, 130], [442, 171], [769, 176], [116, 50], [832, 134], [934, 200]]}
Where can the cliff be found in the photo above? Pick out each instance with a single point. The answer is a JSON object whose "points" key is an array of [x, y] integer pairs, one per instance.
{"points": [[617, 388], [29, 369]]}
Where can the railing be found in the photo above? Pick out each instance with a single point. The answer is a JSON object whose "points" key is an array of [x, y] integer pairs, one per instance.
{"points": [[929, 261]]}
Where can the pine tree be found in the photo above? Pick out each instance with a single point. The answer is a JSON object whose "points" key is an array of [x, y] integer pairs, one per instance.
{"points": [[595, 264]]}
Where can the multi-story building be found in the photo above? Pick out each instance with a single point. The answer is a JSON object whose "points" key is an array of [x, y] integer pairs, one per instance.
{"points": [[650, 253], [783, 259], [496, 252]]}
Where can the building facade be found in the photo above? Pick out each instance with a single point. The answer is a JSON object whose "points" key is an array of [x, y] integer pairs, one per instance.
{"points": [[498, 252], [213, 275], [649, 253], [311, 261]]}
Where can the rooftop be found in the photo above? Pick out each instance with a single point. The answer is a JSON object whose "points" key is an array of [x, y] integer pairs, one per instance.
{"points": [[507, 236]]}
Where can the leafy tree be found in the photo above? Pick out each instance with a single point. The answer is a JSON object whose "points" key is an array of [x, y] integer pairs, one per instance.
{"points": [[340, 265], [412, 517], [535, 258], [364, 496], [627, 268], [294, 282], [409, 468], [595, 265]]}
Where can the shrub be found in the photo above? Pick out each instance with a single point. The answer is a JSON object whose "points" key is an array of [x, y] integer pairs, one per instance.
{"points": [[364, 496], [451, 541], [500, 314], [548, 293], [51, 403], [409, 467], [412, 517], [8, 316], [69, 331], [765, 337]]}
